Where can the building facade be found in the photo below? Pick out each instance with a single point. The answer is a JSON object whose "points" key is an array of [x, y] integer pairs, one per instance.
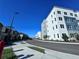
{"points": [[38, 35], [60, 21]]}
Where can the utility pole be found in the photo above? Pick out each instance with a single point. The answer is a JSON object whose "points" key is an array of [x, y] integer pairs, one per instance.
{"points": [[11, 25]]}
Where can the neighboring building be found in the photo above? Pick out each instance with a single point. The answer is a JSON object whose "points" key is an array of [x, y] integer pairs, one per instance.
{"points": [[5, 31], [43, 29], [21, 36], [38, 35], [60, 21]]}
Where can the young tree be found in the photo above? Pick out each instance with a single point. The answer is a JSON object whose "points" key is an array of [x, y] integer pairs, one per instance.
{"points": [[1, 25], [45, 37], [65, 37], [77, 36]]}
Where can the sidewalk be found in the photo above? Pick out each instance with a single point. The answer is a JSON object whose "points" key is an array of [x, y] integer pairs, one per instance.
{"points": [[59, 55], [76, 43], [22, 51]]}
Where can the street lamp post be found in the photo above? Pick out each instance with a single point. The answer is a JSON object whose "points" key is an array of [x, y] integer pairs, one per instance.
{"points": [[11, 26]]}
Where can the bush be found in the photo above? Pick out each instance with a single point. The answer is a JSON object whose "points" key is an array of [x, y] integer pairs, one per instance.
{"points": [[45, 37], [65, 37], [77, 36]]}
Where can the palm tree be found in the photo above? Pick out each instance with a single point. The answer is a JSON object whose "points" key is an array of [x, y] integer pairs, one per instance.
{"points": [[65, 37], [1, 25]]}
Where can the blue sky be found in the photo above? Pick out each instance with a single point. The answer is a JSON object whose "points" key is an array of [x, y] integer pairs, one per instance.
{"points": [[31, 12]]}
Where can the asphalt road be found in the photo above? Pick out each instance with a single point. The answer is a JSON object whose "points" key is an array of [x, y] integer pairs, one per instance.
{"points": [[66, 48]]}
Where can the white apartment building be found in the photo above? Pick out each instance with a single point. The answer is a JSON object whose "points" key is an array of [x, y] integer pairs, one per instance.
{"points": [[60, 21], [38, 35]]}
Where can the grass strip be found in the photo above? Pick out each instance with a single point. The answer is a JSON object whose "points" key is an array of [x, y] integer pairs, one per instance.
{"points": [[8, 54], [37, 49]]}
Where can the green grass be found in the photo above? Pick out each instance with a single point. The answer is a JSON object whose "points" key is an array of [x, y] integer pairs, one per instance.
{"points": [[38, 49], [8, 54]]}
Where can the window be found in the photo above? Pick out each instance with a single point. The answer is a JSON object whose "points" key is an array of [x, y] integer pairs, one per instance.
{"points": [[54, 13], [6, 31], [75, 15], [56, 26], [71, 35], [72, 20], [61, 25], [71, 14], [69, 19], [54, 35], [58, 35], [59, 12], [52, 21], [53, 28], [66, 18], [46, 25], [65, 13], [69, 26], [60, 18], [75, 27], [51, 15], [55, 19]]}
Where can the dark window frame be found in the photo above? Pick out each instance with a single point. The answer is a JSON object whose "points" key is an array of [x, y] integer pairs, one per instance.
{"points": [[56, 26], [65, 13], [59, 12], [75, 15], [61, 25], [55, 19], [58, 35], [60, 18], [53, 28], [71, 14], [51, 15]]}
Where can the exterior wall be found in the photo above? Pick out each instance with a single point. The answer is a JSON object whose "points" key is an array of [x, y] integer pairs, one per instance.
{"points": [[38, 35], [72, 25], [53, 29], [43, 29]]}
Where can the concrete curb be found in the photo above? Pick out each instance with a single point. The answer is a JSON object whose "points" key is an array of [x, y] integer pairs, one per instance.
{"points": [[59, 42], [58, 55]]}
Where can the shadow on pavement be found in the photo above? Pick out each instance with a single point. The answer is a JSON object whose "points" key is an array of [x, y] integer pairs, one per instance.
{"points": [[18, 50], [28, 56]]}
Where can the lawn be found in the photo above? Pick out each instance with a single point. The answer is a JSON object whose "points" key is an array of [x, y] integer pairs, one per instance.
{"points": [[38, 49], [8, 54]]}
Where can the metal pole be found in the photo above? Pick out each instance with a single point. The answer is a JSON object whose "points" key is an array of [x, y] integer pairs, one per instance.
{"points": [[11, 25], [12, 22]]}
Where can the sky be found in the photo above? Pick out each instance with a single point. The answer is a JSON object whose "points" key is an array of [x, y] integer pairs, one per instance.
{"points": [[31, 13]]}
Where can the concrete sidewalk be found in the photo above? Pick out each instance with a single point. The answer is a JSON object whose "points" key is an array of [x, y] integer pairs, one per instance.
{"points": [[22, 52], [21, 49], [59, 55], [76, 43]]}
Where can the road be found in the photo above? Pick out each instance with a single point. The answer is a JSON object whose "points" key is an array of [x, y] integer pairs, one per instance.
{"points": [[66, 48]]}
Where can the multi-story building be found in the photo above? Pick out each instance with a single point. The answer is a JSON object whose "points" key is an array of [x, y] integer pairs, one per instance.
{"points": [[38, 35], [60, 21], [43, 29]]}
